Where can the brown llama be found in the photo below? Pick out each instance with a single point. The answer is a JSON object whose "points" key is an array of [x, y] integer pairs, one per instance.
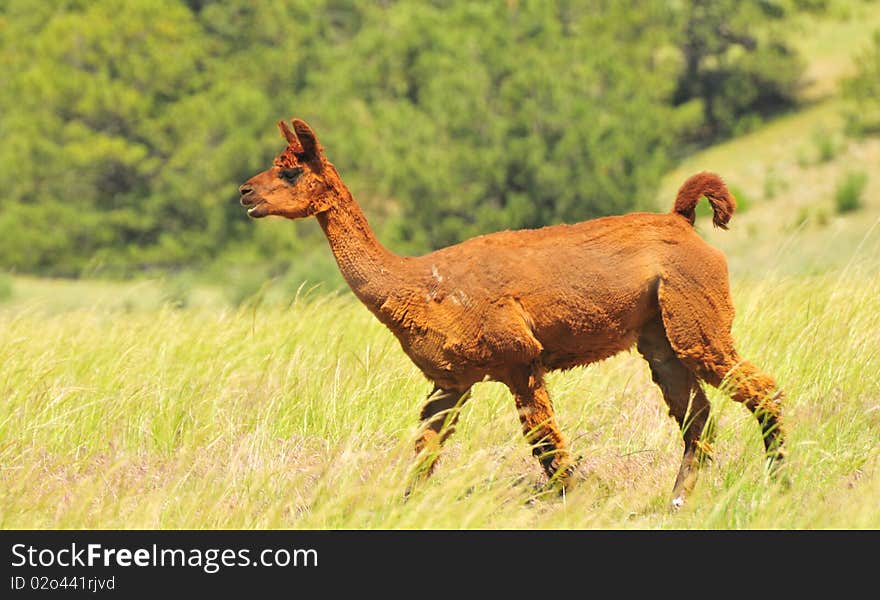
{"points": [[512, 305]]}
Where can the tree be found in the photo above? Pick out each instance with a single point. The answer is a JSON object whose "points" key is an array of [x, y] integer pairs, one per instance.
{"points": [[127, 127], [735, 63], [501, 116]]}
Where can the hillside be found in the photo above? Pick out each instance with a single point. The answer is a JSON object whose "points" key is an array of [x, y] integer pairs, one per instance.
{"points": [[790, 224], [787, 171]]}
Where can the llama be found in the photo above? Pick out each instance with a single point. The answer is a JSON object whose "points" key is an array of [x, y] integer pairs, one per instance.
{"points": [[512, 305]]}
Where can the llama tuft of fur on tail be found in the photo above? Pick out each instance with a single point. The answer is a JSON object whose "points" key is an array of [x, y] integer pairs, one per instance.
{"points": [[712, 187]]}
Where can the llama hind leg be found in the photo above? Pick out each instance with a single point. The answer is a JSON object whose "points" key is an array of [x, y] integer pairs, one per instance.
{"points": [[687, 404], [697, 314], [745, 383], [439, 416], [539, 427], [758, 391]]}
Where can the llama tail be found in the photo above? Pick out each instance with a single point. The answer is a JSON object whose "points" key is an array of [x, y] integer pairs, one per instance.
{"points": [[708, 185]]}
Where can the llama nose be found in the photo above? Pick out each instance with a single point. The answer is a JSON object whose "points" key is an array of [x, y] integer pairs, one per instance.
{"points": [[245, 190]]}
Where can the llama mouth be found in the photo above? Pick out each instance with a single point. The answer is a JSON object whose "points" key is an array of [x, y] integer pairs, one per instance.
{"points": [[258, 210]]}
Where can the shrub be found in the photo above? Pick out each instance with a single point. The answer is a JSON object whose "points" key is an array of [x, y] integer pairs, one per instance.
{"points": [[848, 193], [826, 145]]}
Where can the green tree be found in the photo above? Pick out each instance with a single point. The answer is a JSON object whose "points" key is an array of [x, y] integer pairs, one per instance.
{"points": [[128, 126], [486, 116], [736, 62]]}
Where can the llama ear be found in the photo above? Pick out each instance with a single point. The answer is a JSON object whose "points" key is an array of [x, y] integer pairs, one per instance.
{"points": [[311, 154], [291, 138]]}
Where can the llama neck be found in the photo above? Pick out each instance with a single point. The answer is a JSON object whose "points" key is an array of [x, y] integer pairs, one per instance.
{"points": [[370, 269]]}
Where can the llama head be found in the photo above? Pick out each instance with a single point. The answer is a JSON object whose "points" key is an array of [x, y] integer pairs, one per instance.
{"points": [[296, 186]]}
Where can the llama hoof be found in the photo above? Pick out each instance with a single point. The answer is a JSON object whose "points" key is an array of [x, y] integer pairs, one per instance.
{"points": [[677, 503], [774, 464], [558, 484], [411, 490], [559, 472], [543, 490]]}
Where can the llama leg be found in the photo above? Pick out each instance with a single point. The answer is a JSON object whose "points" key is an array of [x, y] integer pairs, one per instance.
{"points": [[697, 315], [540, 430], [759, 392], [439, 416], [686, 400]]}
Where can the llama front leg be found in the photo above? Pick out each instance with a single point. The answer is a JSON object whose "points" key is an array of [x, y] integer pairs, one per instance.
{"points": [[539, 428], [439, 415]]}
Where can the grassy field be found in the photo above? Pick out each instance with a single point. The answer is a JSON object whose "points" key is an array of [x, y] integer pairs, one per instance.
{"points": [[122, 409], [303, 416]]}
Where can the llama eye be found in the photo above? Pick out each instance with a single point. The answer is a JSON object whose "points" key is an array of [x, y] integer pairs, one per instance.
{"points": [[290, 175]]}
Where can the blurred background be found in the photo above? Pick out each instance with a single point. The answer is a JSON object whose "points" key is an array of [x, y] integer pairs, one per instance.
{"points": [[127, 127]]}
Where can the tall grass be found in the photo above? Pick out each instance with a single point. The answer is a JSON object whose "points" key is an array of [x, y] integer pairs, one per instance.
{"points": [[303, 416]]}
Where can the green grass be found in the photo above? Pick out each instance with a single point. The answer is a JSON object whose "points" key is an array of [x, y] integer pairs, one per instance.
{"points": [[303, 416], [61, 295]]}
